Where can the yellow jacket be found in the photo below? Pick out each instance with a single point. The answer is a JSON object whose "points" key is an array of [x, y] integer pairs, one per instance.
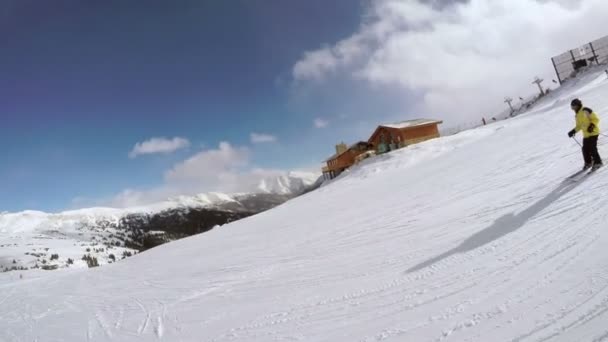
{"points": [[584, 118]]}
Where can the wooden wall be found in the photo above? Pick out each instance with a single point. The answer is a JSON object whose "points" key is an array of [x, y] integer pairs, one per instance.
{"points": [[402, 137]]}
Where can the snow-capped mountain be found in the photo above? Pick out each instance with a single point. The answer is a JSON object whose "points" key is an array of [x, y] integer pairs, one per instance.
{"points": [[471, 237], [291, 183], [33, 239]]}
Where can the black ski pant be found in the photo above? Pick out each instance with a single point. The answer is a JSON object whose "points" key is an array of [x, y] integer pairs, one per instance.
{"points": [[590, 152]]}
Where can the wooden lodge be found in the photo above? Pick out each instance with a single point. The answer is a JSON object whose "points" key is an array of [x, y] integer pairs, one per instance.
{"points": [[386, 138], [390, 137], [344, 158]]}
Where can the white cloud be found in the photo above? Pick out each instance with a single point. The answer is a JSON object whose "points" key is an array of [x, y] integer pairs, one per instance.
{"points": [[132, 197], [320, 123], [158, 145], [209, 167], [461, 59], [225, 169], [316, 63], [257, 138]]}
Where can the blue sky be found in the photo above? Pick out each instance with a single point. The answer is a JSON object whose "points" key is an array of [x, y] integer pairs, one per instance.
{"points": [[126, 102], [83, 82]]}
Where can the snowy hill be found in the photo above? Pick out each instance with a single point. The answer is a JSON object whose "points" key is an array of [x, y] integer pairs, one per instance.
{"points": [[33, 239], [471, 237]]}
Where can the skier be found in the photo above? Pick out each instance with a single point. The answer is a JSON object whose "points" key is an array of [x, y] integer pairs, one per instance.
{"points": [[588, 122]]}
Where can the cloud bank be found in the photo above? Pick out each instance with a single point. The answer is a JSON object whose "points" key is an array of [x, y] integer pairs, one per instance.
{"points": [[227, 169], [460, 58]]}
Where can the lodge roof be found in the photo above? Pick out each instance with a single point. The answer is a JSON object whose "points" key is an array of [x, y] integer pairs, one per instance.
{"points": [[411, 123]]}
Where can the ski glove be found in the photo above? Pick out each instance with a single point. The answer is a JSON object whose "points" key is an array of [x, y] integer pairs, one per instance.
{"points": [[571, 133], [591, 128]]}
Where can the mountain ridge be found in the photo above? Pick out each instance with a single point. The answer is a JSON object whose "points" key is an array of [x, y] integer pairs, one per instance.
{"points": [[103, 232]]}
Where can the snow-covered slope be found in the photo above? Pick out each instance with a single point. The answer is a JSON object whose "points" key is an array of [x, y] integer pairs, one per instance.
{"points": [[472, 237], [37, 239]]}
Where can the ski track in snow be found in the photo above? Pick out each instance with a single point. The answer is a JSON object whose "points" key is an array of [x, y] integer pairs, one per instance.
{"points": [[473, 237]]}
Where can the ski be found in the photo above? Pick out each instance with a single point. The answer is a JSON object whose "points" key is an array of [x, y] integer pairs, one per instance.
{"points": [[580, 175], [594, 170], [576, 175]]}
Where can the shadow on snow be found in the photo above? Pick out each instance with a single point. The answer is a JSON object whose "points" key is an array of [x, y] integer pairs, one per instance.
{"points": [[502, 226]]}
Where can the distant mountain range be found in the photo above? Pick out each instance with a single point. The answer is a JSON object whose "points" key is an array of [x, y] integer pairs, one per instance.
{"points": [[97, 236]]}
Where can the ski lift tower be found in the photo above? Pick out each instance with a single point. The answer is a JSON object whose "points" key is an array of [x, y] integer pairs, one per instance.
{"points": [[508, 100], [538, 81]]}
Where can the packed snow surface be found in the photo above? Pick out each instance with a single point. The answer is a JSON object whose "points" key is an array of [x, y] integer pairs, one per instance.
{"points": [[471, 237]]}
